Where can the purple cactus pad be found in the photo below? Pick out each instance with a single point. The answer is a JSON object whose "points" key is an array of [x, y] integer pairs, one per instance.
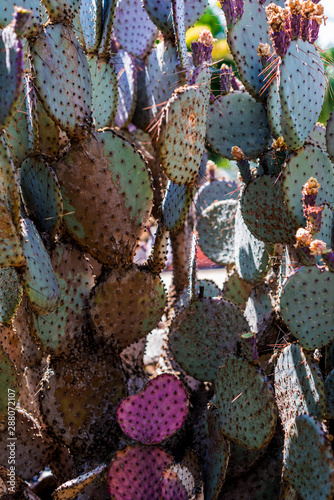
{"points": [[201, 53], [314, 218], [135, 473], [295, 26], [281, 41], [328, 258], [156, 413], [314, 28], [171, 487], [225, 79]]}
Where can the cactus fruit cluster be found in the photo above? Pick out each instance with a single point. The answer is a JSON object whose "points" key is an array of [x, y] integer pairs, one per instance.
{"points": [[117, 387]]}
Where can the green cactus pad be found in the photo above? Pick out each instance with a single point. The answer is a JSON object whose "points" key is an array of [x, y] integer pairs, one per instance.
{"points": [[176, 204], [329, 394], [66, 401], [307, 291], [7, 9], [9, 186], [105, 92], [61, 9], [90, 18], [181, 135], [215, 190], [8, 380], [10, 294], [308, 162], [108, 200], [274, 110], [265, 213], [236, 119], [162, 76], [250, 31], [236, 289], [127, 87], [216, 231], [245, 402], [48, 133], [11, 253], [301, 104], [203, 333], [38, 278], [41, 194], [252, 256], [128, 316], [57, 57], [133, 29], [308, 459], [299, 386], [63, 328], [11, 71], [17, 132], [217, 455], [160, 11]]}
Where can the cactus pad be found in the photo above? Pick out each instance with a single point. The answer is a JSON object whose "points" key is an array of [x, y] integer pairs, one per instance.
{"points": [[299, 387], [126, 317], [61, 9], [215, 190], [171, 486], [10, 294], [176, 204], [135, 472], [329, 393], [8, 379], [156, 413], [305, 292], [181, 135], [57, 57], [105, 92], [236, 289], [245, 402], [127, 87], [90, 21], [7, 9], [203, 333], [308, 459], [11, 253], [236, 119]]}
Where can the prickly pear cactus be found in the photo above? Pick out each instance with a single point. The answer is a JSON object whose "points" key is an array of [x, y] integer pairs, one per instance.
{"points": [[118, 386]]}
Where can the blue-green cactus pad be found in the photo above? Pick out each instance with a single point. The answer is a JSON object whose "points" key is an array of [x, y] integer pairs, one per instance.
{"points": [[9, 186], [246, 404], [11, 71], [178, 10], [39, 280], [252, 256], [90, 17], [127, 87], [302, 90], [182, 134], [236, 289], [10, 294], [249, 32], [105, 92], [215, 190], [216, 231], [160, 11], [133, 29], [308, 459], [60, 330], [176, 204], [17, 133], [307, 306], [318, 136], [203, 333], [259, 312], [265, 213], [48, 133], [162, 76], [41, 194], [217, 455], [308, 162], [61, 9], [7, 9], [329, 394], [62, 78], [108, 200], [274, 110], [299, 386], [236, 119]]}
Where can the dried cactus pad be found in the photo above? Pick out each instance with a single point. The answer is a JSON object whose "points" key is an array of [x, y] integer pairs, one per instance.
{"points": [[156, 413], [307, 291], [135, 473], [127, 305], [299, 387], [203, 333], [245, 402], [58, 58], [181, 135], [237, 119], [308, 459], [301, 102]]}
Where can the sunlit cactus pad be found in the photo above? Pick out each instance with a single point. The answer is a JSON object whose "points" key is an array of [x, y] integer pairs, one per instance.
{"points": [[203, 333], [245, 403], [307, 291], [237, 119], [135, 472], [299, 387], [308, 459], [157, 412]]}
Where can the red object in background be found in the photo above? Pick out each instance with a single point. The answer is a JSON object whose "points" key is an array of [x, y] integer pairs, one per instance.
{"points": [[202, 262]]}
